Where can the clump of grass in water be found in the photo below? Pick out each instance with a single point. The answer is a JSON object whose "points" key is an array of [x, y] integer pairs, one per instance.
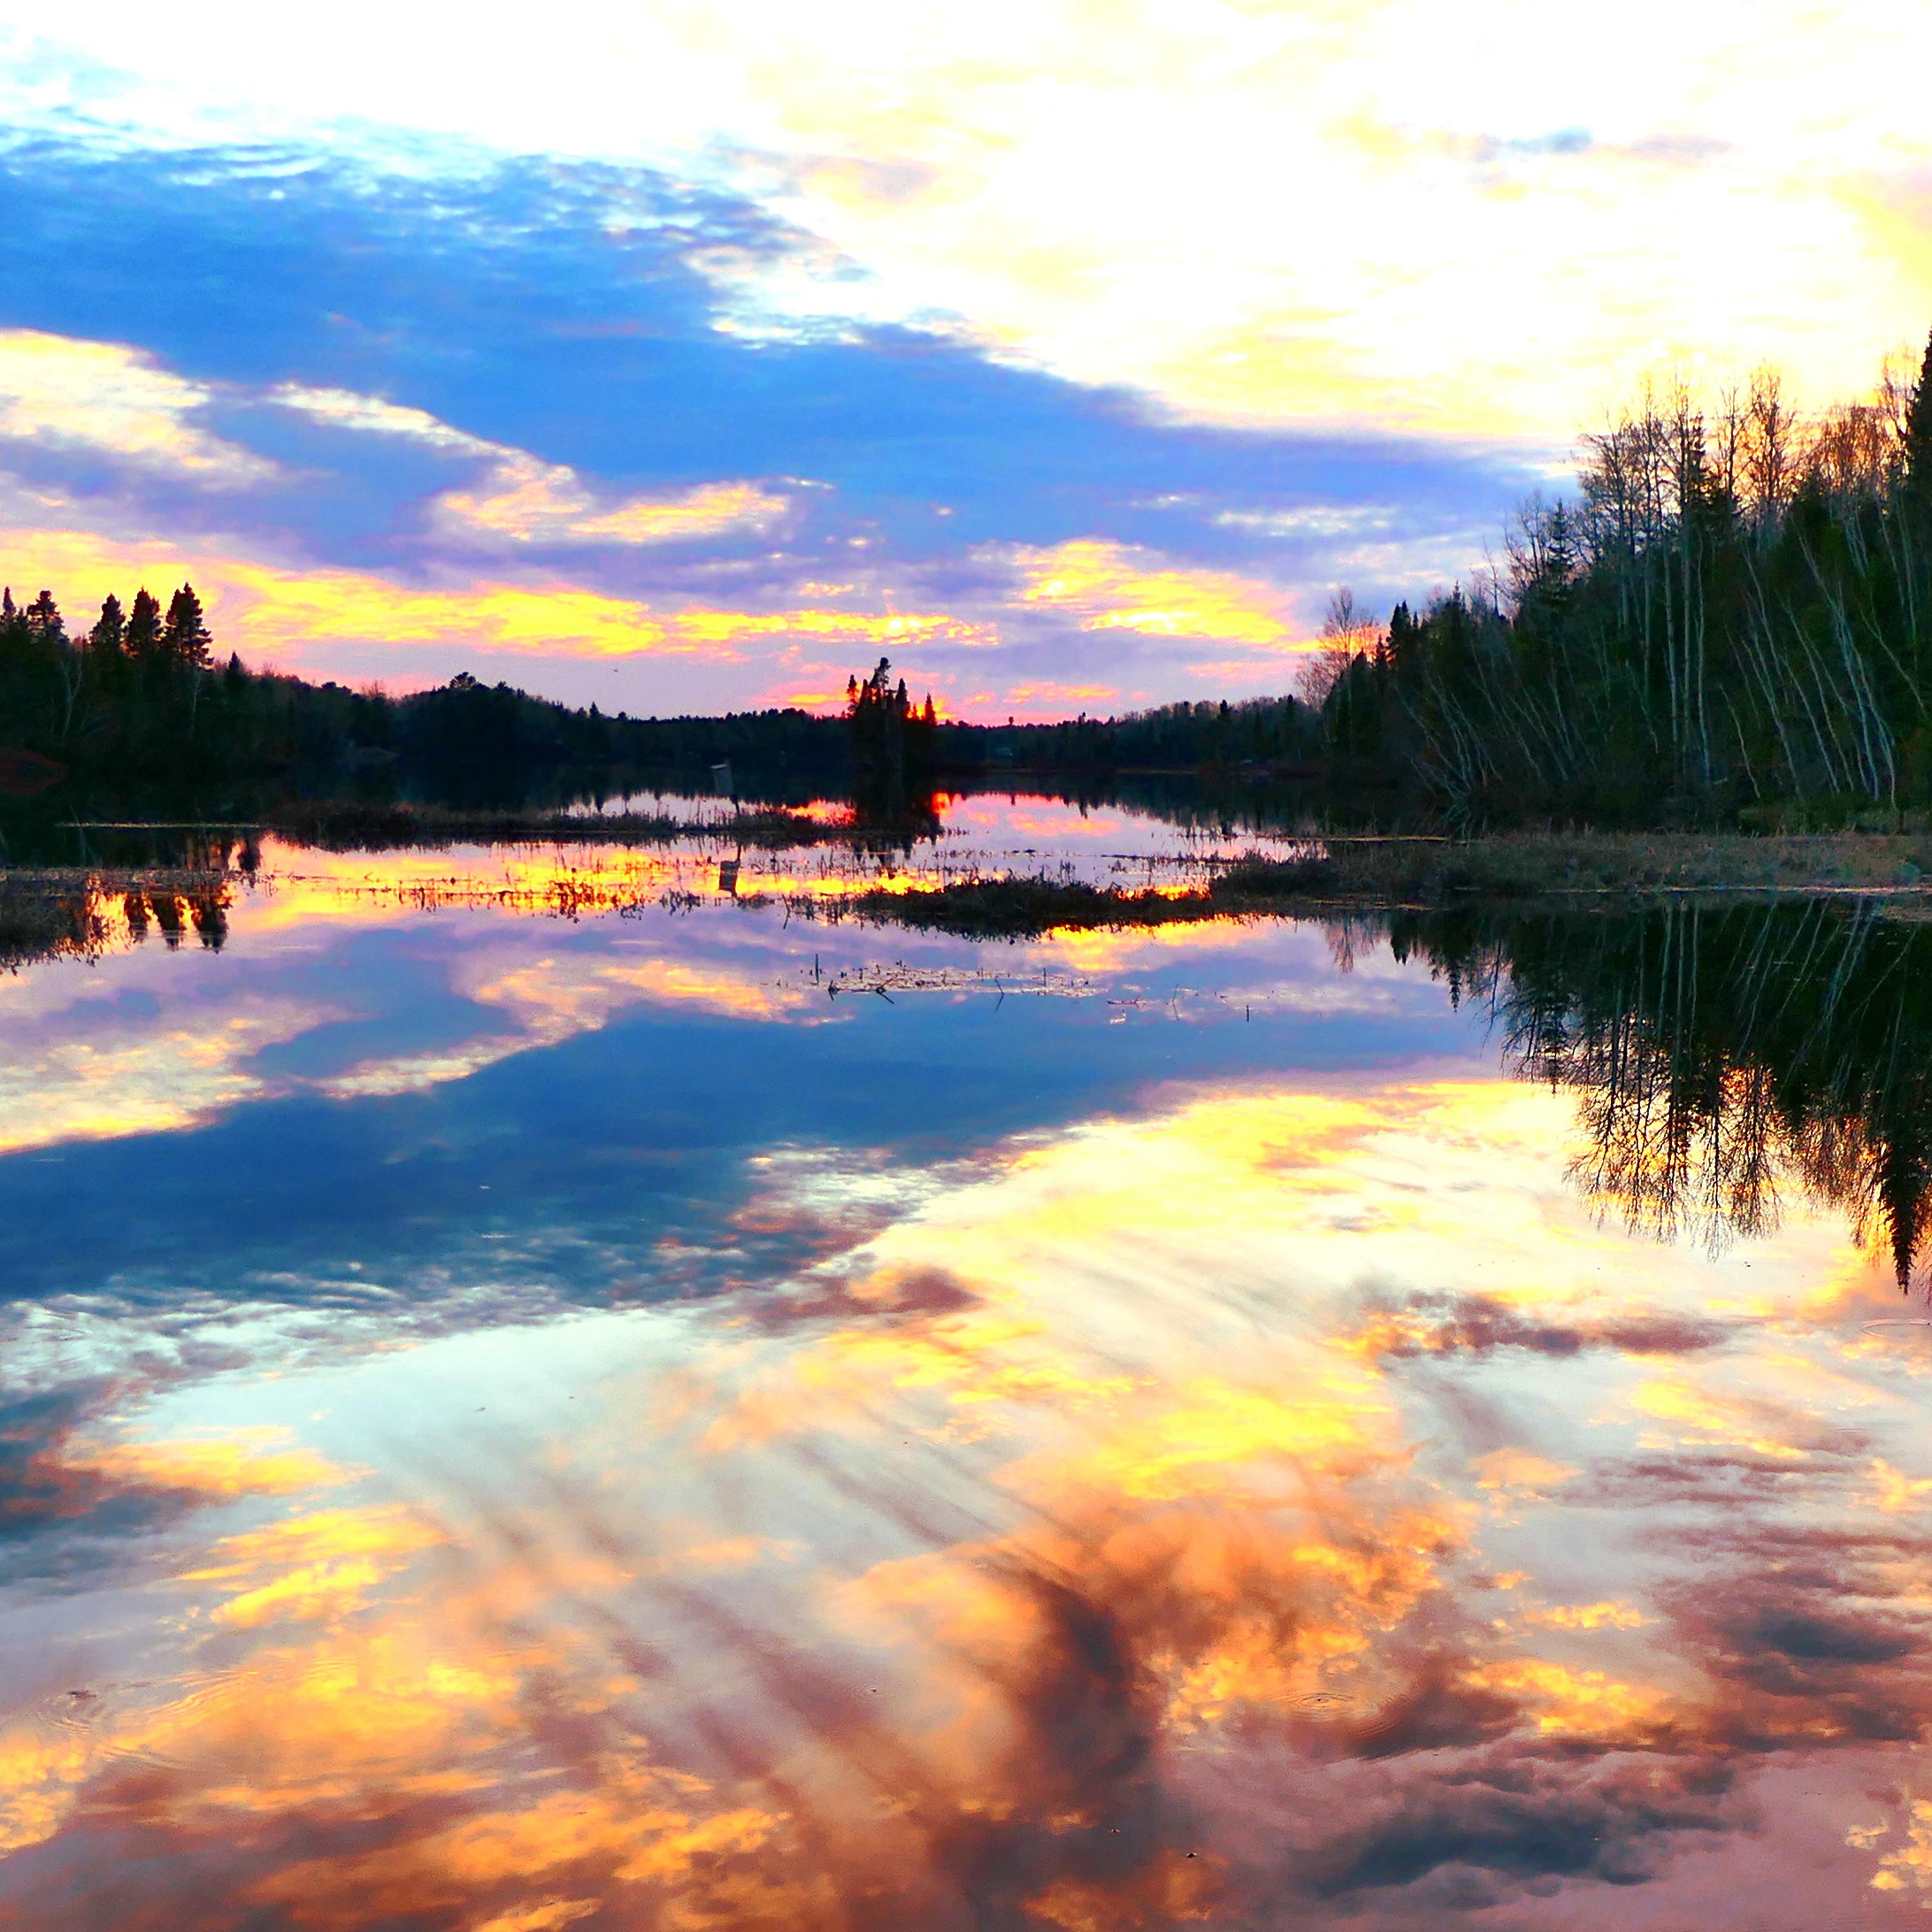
{"points": [[1025, 907]]}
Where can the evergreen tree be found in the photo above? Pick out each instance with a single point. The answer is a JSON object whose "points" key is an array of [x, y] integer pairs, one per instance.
{"points": [[185, 639], [142, 642], [1918, 443], [43, 621], [109, 632]]}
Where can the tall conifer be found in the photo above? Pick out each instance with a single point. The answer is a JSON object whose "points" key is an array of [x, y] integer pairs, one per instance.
{"points": [[185, 641], [1918, 442], [142, 643], [42, 619], [110, 629]]}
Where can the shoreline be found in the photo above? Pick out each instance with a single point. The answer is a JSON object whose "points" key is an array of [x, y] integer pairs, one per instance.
{"points": [[1349, 874], [1511, 871]]}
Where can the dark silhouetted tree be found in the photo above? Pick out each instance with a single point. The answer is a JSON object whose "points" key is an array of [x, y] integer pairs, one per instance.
{"points": [[142, 642], [43, 621], [109, 633], [185, 638], [1918, 438]]}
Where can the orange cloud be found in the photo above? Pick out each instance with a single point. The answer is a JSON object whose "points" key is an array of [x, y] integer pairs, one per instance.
{"points": [[242, 1462], [1111, 586], [272, 611], [1046, 694], [307, 1567]]}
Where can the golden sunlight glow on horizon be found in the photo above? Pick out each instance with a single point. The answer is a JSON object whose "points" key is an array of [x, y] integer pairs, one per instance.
{"points": [[279, 615], [283, 616]]}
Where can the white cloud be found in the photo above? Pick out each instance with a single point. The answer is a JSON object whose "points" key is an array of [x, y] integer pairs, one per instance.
{"points": [[1477, 217], [62, 392], [525, 500], [521, 499], [343, 408]]}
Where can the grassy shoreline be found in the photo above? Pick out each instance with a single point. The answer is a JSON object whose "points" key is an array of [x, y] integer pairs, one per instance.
{"points": [[1517, 869]]}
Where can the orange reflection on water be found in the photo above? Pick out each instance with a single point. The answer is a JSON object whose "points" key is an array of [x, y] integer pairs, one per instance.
{"points": [[1235, 1511], [310, 1568], [252, 1462]]}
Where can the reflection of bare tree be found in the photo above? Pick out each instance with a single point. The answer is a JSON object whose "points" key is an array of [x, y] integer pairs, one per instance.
{"points": [[1714, 1052], [41, 922], [36, 926]]}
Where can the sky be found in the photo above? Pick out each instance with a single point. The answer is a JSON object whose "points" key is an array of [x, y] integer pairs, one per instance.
{"points": [[680, 357]]}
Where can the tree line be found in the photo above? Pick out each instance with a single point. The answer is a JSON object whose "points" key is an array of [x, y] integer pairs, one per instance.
{"points": [[136, 709], [1733, 614], [139, 708]]}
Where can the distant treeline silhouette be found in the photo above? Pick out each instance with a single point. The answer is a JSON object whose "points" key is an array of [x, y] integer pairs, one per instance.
{"points": [[1734, 614], [139, 708], [1716, 1052]]}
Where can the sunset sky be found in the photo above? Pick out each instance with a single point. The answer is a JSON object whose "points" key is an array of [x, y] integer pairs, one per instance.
{"points": [[683, 356]]}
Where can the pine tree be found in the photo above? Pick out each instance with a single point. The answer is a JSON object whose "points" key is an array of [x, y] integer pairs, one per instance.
{"points": [[185, 641], [1919, 442], [43, 621], [110, 630], [142, 642]]}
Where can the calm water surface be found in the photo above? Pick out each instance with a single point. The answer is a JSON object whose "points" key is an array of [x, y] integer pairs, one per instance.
{"points": [[696, 1416]]}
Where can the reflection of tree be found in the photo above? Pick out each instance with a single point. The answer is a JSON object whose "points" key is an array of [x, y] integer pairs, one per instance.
{"points": [[73, 880], [1715, 1050], [39, 924]]}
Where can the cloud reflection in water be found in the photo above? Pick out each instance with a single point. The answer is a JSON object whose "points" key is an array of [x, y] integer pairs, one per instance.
{"points": [[1219, 1487]]}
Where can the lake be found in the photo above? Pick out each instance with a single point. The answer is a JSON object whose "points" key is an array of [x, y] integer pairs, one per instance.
{"points": [[542, 1391]]}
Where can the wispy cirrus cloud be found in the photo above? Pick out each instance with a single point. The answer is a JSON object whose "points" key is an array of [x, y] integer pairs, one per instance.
{"points": [[529, 502], [518, 498]]}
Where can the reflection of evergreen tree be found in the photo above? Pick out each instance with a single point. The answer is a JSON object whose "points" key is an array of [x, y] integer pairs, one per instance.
{"points": [[1713, 1052], [167, 908]]}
